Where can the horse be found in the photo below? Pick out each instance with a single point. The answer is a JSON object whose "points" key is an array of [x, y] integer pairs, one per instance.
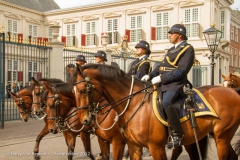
{"points": [[138, 123], [40, 94], [60, 101], [23, 100], [231, 81]]}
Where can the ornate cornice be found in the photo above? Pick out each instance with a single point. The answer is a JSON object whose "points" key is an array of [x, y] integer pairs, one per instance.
{"points": [[11, 15], [70, 20], [111, 14], [161, 8], [50, 22], [190, 3], [96, 6], [90, 17], [30, 20], [11, 5], [135, 11]]}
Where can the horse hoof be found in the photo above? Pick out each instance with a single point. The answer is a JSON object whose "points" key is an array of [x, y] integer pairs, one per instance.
{"points": [[124, 158], [99, 158]]}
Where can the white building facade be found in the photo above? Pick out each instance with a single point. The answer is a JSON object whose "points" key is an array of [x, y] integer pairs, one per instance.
{"points": [[149, 20]]}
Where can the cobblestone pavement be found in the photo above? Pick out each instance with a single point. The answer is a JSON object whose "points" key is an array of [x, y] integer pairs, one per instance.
{"points": [[17, 141]]}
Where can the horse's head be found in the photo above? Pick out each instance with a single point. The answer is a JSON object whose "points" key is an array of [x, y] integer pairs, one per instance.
{"points": [[85, 94], [229, 81], [23, 100], [38, 94], [59, 103]]}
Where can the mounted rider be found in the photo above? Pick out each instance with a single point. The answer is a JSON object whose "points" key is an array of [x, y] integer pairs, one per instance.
{"points": [[171, 75], [100, 57], [142, 65]]}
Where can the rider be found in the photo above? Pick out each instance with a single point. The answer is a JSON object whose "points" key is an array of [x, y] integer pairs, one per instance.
{"points": [[141, 66], [171, 75], [100, 57], [80, 59]]}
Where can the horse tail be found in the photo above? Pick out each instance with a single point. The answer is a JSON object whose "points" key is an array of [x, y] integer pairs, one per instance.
{"points": [[203, 146]]}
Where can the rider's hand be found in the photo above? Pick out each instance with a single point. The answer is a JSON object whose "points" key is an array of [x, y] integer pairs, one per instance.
{"points": [[156, 80], [145, 78]]}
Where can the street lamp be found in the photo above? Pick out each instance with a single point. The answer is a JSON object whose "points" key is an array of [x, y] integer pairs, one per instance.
{"points": [[212, 36]]}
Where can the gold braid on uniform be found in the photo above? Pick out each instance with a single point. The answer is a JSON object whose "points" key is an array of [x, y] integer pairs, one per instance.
{"points": [[178, 56], [150, 68]]}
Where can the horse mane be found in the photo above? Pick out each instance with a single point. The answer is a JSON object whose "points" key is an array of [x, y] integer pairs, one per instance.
{"points": [[106, 71], [63, 88], [52, 80]]}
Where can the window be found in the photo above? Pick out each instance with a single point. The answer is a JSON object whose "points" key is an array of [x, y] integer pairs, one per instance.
{"points": [[90, 33], [191, 21], [49, 34], [222, 23], [136, 29], [232, 32], [236, 34], [235, 57], [70, 39], [162, 23], [112, 27], [12, 28], [33, 32]]}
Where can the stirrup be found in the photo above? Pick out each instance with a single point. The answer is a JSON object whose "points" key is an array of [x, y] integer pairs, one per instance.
{"points": [[174, 141]]}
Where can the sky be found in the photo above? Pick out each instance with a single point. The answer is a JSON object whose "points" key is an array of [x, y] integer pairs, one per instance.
{"points": [[75, 3]]}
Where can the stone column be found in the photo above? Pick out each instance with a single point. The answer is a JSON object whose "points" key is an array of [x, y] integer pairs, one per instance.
{"points": [[56, 56]]}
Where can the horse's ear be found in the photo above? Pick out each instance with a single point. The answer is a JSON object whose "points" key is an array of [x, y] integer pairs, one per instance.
{"points": [[230, 74], [34, 81], [79, 68]]}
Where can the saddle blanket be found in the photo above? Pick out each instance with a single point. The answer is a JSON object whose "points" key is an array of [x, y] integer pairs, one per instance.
{"points": [[203, 108]]}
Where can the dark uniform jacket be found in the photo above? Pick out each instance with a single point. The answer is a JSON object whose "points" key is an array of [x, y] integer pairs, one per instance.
{"points": [[174, 68], [140, 67]]}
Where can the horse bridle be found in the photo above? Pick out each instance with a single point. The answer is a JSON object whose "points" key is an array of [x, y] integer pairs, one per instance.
{"points": [[232, 83], [41, 103], [23, 105], [60, 121]]}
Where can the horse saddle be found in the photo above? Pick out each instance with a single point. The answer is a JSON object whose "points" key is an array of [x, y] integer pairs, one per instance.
{"points": [[202, 107]]}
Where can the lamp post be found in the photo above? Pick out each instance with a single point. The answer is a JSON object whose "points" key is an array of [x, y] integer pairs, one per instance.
{"points": [[212, 36]]}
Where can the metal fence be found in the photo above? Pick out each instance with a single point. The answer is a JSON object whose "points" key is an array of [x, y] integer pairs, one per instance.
{"points": [[22, 61], [2, 78]]}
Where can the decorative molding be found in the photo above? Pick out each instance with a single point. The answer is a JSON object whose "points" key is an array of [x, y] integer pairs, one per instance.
{"points": [[70, 20], [11, 15], [135, 11], [161, 8], [190, 3], [112, 14], [51, 22], [30, 20], [90, 17]]}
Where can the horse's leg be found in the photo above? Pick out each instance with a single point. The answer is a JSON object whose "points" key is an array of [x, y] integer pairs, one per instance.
{"points": [[85, 137], [105, 148], [176, 152], [158, 151], [118, 149], [135, 152], [70, 139], [232, 155], [43, 133]]}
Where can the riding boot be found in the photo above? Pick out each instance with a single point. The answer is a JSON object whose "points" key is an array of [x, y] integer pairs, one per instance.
{"points": [[175, 138]]}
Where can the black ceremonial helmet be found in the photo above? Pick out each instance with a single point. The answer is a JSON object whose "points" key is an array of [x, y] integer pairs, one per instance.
{"points": [[80, 58], [145, 45], [179, 28], [101, 54]]}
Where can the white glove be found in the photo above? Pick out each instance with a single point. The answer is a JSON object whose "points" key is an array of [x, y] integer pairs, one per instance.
{"points": [[145, 78], [156, 80]]}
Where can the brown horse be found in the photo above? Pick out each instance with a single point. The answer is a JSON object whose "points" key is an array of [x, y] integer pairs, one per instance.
{"points": [[23, 100], [60, 101], [40, 96], [138, 122], [231, 81]]}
